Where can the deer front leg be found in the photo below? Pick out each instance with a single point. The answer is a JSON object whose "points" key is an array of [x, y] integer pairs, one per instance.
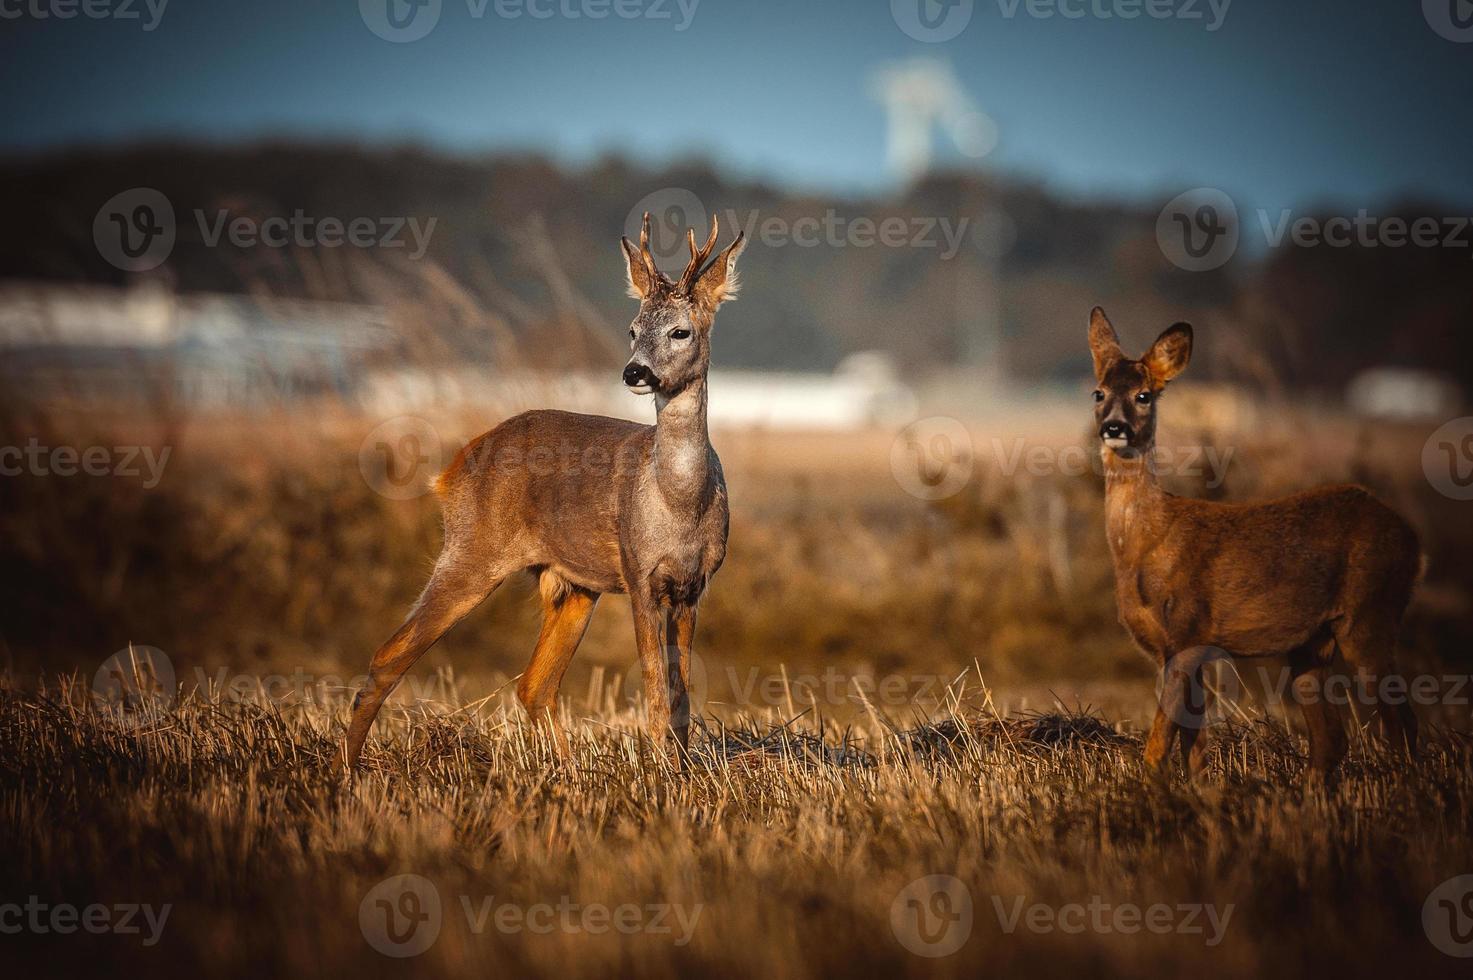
{"points": [[1181, 712], [662, 680], [680, 633], [1158, 744]]}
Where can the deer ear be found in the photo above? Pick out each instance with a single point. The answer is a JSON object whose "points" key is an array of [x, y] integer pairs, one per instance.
{"points": [[1170, 353], [1104, 344], [718, 282], [639, 273]]}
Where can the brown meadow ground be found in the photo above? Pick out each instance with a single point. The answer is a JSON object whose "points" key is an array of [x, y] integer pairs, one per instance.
{"points": [[774, 855], [860, 651]]}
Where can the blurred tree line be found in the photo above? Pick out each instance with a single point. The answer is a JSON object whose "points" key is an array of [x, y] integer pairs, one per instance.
{"points": [[523, 262]]}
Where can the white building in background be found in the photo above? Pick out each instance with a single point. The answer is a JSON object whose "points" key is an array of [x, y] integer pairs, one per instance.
{"points": [[862, 391], [1403, 393], [208, 348], [242, 352]]}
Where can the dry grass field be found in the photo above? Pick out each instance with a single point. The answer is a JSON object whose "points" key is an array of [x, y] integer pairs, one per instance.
{"points": [[778, 854], [894, 688]]}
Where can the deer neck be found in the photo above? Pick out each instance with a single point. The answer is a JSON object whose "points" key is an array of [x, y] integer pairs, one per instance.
{"points": [[1133, 501], [683, 446]]}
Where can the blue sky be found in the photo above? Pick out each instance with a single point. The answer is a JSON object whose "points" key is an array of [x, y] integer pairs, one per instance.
{"points": [[1284, 104]]}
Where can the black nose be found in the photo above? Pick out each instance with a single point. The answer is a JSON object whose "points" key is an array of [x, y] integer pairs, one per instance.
{"points": [[638, 374], [1115, 430]]}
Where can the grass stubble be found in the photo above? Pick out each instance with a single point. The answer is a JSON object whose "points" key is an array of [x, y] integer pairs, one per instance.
{"points": [[784, 850]]}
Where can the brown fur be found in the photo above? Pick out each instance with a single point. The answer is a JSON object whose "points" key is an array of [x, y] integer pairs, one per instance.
{"points": [[1302, 576], [591, 505]]}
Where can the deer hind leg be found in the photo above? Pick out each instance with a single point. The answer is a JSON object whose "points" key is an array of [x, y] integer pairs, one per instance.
{"points": [[453, 591], [566, 611], [1309, 669], [1368, 642], [1193, 739]]}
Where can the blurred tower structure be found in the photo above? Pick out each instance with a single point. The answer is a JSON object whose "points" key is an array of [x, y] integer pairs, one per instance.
{"points": [[921, 96]]}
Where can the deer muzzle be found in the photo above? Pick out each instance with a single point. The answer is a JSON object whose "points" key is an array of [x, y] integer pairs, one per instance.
{"points": [[639, 379], [1116, 434]]}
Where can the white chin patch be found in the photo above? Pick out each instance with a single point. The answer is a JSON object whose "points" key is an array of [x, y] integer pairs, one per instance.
{"points": [[640, 389], [1117, 443]]}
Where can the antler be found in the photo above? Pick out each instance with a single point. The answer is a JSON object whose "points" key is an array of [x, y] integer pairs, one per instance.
{"points": [[698, 257], [657, 278]]}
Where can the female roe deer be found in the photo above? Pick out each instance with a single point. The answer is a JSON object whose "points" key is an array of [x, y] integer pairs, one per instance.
{"points": [[1303, 576], [591, 505]]}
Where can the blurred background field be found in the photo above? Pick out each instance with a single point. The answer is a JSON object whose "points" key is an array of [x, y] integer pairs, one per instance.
{"points": [[906, 435], [267, 548]]}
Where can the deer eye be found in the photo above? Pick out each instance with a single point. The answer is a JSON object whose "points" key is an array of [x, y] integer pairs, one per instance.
{"points": [[1099, 395], [1143, 397], [631, 333], [679, 334]]}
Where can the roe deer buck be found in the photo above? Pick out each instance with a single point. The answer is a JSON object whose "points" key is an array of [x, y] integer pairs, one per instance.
{"points": [[591, 505], [1301, 576]]}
